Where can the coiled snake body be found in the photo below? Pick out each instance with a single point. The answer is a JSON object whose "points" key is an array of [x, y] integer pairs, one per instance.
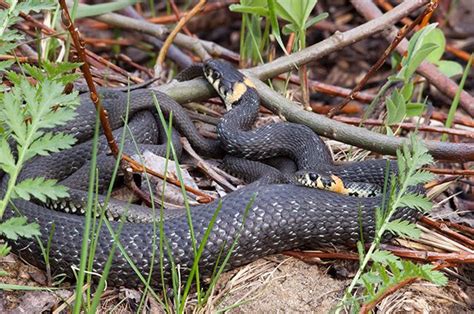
{"points": [[279, 216]]}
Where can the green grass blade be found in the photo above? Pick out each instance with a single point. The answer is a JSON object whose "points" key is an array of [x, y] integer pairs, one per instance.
{"points": [[457, 97]]}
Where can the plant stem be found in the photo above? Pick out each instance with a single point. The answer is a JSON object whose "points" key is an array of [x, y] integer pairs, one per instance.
{"points": [[378, 236], [18, 166]]}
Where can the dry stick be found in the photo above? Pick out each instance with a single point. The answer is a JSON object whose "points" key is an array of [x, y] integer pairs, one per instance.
{"points": [[354, 135], [79, 44], [443, 83], [200, 47], [460, 227], [329, 89], [336, 42], [459, 172], [400, 35], [175, 31], [409, 126], [445, 229], [178, 15], [205, 167], [203, 197], [199, 89]]}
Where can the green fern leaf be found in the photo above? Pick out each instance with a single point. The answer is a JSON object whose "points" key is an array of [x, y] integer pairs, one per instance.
{"points": [[54, 118], [7, 162], [12, 116], [420, 177], [434, 276], [384, 257], [403, 228], [40, 188], [49, 143], [415, 201], [18, 227]]}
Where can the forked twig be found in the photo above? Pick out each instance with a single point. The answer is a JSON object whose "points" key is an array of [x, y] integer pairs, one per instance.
{"points": [[402, 33], [179, 26]]}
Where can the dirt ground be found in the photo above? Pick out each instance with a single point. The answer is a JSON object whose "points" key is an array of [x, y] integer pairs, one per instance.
{"points": [[277, 284]]}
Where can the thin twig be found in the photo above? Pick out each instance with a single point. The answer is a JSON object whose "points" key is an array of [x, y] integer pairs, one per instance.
{"points": [[336, 42], [175, 31], [204, 166], [409, 126], [79, 44], [400, 35], [443, 83], [167, 19], [459, 172], [441, 226]]}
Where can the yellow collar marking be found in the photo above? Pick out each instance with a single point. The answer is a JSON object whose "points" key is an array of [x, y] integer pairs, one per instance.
{"points": [[238, 90], [337, 185], [249, 83]]}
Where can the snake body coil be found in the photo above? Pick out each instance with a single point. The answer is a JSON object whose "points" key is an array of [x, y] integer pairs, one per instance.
{"points": [[261, 220]]}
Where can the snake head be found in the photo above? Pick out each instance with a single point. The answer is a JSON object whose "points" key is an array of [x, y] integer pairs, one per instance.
{"points": [[228, 82], [320, 181]]}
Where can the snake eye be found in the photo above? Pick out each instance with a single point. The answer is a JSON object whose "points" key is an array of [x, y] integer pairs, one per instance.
{"points": [[215, 75], [313, 176]]}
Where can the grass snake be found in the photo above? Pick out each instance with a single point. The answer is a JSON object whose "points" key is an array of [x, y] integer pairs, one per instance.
{"points": [[281, 216]]}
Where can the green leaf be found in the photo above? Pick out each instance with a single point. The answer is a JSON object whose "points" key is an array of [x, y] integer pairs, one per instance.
{"points": [[417, 59], [285, 10], [415, 201], [315, 19], [4, 250], [6, 64], [7, 161], [289, 28], [437, 38], [13, 116], [403, 228], [449, 68], [396, 107], [39, 188], [18, 227], [436, 277], [50, 143], [407, 90], [416, 41], [275, 26], [35, 6], [415, 109], [384, 257], [420, 177], [57, 71], [260, 11], [457, 97], [54, 118], [102, 8]]}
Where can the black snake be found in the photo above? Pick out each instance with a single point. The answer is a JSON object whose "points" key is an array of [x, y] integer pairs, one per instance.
{"points": [[280, 217]]}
